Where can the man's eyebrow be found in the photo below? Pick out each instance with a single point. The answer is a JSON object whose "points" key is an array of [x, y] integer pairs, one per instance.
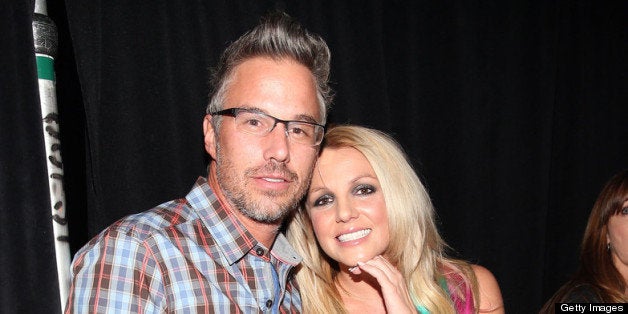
{"points": [[253, 109], [306, 118], [299, 117]]}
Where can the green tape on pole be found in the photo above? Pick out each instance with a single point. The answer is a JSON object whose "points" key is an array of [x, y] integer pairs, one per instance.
{"points": [[45, 68]]}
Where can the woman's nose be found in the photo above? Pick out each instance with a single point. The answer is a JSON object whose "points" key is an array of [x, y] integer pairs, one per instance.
{"points": [[346, 211]]}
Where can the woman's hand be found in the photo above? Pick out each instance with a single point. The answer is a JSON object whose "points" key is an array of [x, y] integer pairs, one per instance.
{"points": [[393, 286]]}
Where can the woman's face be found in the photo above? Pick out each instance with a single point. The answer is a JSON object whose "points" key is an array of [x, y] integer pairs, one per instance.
{"points": [[347, 207], [618, 238]]}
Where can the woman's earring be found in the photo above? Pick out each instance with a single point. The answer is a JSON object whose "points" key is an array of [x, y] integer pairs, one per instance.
{"points": [[608, 246]]}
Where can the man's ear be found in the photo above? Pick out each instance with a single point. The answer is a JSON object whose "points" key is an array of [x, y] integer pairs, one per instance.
{"points": [[209, 134]]}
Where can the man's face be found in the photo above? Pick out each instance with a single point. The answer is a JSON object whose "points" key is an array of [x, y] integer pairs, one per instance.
{"points": [[265, 177]]}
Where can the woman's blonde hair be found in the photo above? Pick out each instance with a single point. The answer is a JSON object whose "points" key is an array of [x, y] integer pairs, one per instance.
{"points": [[415, 246]]}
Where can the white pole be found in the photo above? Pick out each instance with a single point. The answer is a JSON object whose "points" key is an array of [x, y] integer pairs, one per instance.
{"points": [[45, 39]]}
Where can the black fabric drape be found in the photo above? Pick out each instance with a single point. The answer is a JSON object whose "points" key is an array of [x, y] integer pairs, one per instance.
{"points": [[589, 134], [513, 113], [28, 275]]}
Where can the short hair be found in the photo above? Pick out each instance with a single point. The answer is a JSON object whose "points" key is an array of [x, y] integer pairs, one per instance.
{"points": [[277, 36]]}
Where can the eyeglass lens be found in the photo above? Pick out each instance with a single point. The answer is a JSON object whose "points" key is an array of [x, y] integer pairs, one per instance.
{"points": [[261, 124]]}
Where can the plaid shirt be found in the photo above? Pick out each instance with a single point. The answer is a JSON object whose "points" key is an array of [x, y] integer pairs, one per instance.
{"points": [[184, 256]]}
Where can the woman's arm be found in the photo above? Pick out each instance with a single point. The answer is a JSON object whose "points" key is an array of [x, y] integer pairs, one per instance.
{"points": [[490, 296]]}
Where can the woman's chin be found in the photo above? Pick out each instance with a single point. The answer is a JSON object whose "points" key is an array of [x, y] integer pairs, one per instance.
{"points": [[353, 262]]}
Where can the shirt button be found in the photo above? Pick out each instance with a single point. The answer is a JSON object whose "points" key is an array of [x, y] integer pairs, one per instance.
{"points": [[269, 303], [260, 252]]}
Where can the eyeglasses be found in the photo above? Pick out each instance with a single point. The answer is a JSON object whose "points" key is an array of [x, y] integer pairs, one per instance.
{"points": [[258, 123]]}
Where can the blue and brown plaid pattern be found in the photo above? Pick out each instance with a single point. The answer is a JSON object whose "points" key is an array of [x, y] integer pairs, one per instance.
{"points": [[184, 256]]}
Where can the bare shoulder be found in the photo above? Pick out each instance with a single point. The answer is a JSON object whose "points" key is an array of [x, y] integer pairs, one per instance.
{"points": [[490, 296]]}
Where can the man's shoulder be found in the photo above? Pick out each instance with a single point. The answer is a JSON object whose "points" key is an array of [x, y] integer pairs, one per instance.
{"points": [[146, 224], [166, 215]]}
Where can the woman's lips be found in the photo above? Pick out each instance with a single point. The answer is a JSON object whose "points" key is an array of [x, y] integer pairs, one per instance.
{"points": [[352, 236]]}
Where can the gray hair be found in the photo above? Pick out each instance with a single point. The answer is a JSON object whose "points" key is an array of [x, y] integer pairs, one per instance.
{"points": [[278, 36]]}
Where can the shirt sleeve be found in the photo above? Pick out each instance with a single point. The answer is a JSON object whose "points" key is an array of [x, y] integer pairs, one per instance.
{"points": [[116, 273]]}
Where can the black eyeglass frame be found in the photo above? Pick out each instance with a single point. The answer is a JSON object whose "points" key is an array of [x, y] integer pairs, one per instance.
{"points": [[233, 112]]}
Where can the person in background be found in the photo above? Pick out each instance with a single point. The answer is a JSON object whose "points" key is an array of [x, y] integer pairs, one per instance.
{"points": [[218, 249], [369, 242], [602, 275]]}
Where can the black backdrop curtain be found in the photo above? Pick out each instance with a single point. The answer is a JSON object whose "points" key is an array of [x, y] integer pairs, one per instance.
{"points": [[513, 113]]}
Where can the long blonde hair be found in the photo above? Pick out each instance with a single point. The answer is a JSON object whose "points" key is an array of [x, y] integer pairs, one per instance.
{"points": [[415, 246]]}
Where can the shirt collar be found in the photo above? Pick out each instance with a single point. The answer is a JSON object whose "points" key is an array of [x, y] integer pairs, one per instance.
{"points": [[229, 234]]}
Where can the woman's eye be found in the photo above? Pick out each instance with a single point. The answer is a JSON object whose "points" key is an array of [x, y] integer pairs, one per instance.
{"points": [[364, 189], [624, 211], [323, 200]]}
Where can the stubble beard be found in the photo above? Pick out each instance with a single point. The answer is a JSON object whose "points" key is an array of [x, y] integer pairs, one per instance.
{"points": [[267, 206]]}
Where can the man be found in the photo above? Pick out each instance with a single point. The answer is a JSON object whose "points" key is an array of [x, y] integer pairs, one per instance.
{"points": [[219, 249]]}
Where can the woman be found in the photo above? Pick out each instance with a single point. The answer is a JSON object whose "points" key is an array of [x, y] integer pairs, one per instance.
{"points": [[377, 248], [602, 276]]}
